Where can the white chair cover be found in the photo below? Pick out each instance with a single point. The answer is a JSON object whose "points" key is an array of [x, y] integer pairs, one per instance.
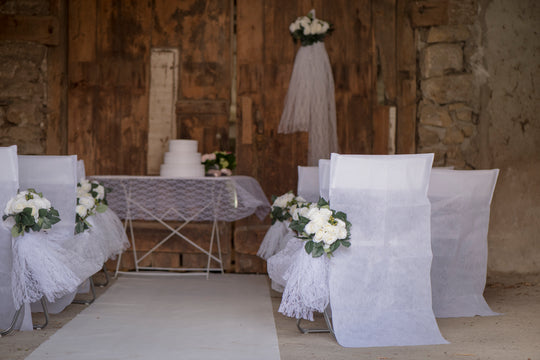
{"points": [[54, 259], [9, 184], [460, 207], [324, 179], [380, 289], [308, 183]]}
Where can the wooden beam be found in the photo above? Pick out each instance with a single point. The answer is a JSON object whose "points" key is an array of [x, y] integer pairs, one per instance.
{"points": [[40, 29], [57, 132], [406, 82], [428, 13]]}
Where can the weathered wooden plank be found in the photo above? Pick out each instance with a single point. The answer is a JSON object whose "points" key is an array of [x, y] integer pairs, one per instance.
{"points": [[406, 82], [428, 12], [57, 133], [220, 107], [381, 116], [40, 29], [384, 21], [82, 31]]}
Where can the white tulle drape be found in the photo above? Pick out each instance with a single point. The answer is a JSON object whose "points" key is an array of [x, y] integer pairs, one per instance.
{"points": [[309, 104], [307, 288]]}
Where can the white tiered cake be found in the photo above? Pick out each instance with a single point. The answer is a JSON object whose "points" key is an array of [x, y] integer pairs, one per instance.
{"points": [[182, 160]]}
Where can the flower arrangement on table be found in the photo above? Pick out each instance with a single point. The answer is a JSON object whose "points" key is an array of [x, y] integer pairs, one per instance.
{"points": [[29, 210], [324, 229], [91, 198], [309, 30], [219, 163]]}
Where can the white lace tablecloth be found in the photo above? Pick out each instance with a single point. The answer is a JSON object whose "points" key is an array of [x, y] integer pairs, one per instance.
{"points": [[199, 199]]}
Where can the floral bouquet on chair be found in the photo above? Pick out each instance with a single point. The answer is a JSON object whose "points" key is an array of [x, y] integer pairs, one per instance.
{"points": [[29, 210], [323, 228], [91, 198], [284, 206], [219, 163], [309, 30]]}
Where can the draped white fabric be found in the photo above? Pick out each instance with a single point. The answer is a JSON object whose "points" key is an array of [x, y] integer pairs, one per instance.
{"points": [[9, 183], [310, 104], [324, 179], [380, 289], [460, 207], [308, 183], [281, 239]]}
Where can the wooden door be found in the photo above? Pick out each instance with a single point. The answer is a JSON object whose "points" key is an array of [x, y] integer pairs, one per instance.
{"points": [[265, 57]]}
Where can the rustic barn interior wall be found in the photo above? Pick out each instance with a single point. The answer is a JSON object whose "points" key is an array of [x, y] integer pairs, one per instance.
{"points": [[411, 76]]}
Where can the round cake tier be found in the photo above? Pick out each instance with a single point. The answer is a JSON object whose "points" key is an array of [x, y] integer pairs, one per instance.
{"points": [[173, 170], [182, 158], [183, 146]]}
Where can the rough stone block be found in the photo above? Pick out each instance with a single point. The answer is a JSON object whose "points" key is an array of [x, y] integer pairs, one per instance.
{"points": [[449, 89], [440, 59], [21, 114], [462, 112], [451, 33], [462, 11], [453, 136], [468, 130], [428, 137], [433, 114]]}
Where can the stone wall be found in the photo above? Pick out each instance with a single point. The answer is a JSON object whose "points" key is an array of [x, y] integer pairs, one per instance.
{"points": [[23, 87], [448, 105], [478, 108]]}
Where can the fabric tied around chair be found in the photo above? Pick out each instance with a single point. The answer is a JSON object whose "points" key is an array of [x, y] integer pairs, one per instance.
{"points": [[41, 267], [307, 287]]}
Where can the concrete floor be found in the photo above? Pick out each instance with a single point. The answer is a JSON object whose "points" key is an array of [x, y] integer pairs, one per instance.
{"points": [[514, 335]]}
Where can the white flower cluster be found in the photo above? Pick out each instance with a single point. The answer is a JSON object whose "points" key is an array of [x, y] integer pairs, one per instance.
{"points": [[89, 195], [27, 199], [309, 26], [323, 226]]}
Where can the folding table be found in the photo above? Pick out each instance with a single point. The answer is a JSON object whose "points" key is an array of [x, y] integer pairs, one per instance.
{"points": [[161, 199]]}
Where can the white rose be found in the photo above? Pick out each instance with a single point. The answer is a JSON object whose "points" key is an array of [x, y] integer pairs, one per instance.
{"points": [[100, 192], [314, 225], [18, 205], [283, 200], [38, 203], [81, 210], [316, 27], [81, 192], [85, 185], [87, 201], [7, 210], [294, 26], [307, 30], [325, 27]]}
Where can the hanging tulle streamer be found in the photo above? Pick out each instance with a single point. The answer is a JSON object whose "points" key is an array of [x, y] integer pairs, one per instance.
{"points": [[309, 104], [307, 288]]}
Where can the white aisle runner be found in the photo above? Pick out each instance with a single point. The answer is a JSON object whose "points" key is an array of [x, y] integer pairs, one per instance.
{"points": [[171, 317]]}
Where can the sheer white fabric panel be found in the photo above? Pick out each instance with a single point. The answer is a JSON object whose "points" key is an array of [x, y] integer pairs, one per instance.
{"points": [[324, 179], [81, 173], [9, 183], [460, 207], [380, 288], [308, 183]]}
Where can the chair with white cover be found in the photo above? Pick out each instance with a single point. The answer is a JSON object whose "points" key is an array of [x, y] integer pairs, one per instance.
{"points": [[9, 184], [380, 288], [56, 178], [288, 244], [460, 208]]}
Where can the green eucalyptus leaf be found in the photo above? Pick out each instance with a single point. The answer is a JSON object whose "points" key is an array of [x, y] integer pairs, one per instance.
{"points": [[101, 208], [317, 251], [309, 246]]}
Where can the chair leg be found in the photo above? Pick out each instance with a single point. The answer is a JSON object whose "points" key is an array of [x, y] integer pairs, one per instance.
{"points": [[106, 277], [89, 301], [13, 322], [329, 328], [46, 313]]}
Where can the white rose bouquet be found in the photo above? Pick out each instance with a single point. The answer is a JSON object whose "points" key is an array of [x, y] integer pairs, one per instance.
{"points": [[29, 210], [309, 30], [323, 228], [284, 206], [91, 198], [219, 163]]}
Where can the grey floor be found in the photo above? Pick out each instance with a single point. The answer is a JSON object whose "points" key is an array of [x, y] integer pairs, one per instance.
{"points": [[514, 335]]}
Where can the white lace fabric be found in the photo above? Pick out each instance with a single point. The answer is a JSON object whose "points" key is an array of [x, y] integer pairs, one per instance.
{"points": [[227, 198], [310, 104]]}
